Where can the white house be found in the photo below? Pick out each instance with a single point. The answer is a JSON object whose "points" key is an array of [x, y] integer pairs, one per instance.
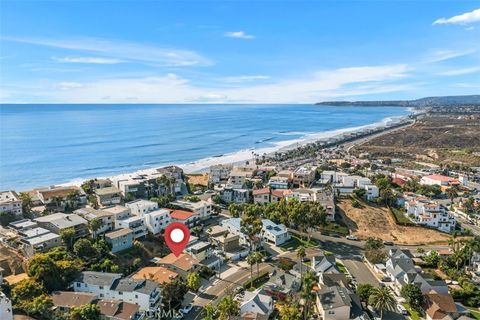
{"points": [[219, 173], [334, 303], [258, 302], [439, 180], [430, 213], [6, 311], [10, 202], [135, 223], [202, 208], [277, 182], [144, 293], [107, 220], [371, 191], [140, 207], [274, 233], [156, 220]]}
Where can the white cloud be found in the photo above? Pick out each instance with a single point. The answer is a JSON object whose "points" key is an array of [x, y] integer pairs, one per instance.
{"points": [[465, 18], [171, 88], [442, 55], [69, 85], [122, 50], [92, 60], [239, 35], [240, 79], [458, 72]]}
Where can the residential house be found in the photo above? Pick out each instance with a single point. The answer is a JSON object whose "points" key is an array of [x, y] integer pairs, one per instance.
{"points": [[258, 302], [440, 306], [6, 311], [338, 303], [119, 310], [304, 176], [327, 200], [10, 202], [268, 195], [156, 220], [202, 208], [120, 239], [64, 301], [235, 195], [144, 293], [183, 264], [108, 196], [277, 182], [282, 284], [219, 173], [200, 250], [274, 233], [119, 212], [188, 218], [57, 222], [323, 264], [160, 275], [430, 213], [38, 240], [106, 219], [23, 224], [134, 223], [60, 194], [371, 192], [237, 178], [439, 180]]}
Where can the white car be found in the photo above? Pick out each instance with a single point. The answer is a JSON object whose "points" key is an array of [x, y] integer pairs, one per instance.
{"points": [[402, 310], [351, 237], [186, 309]]}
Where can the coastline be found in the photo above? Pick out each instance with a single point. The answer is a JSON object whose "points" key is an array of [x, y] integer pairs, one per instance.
{"points": [[242, 156]]}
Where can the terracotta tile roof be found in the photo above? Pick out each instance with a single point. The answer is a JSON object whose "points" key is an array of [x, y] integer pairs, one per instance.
{"points": [[278, 193], [182, 214], [261, 191], [72, 299], [439, 177], [160, 275], [399, 181], [184, 261]]}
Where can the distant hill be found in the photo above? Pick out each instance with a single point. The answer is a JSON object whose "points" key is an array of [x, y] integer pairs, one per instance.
{"points": [[418, 103]]}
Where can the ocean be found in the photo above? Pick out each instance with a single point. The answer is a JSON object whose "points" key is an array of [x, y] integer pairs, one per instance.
{"points": [[42, 145]]}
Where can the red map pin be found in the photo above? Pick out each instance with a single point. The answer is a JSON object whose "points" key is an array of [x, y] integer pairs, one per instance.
{"points": [[176, 237]]}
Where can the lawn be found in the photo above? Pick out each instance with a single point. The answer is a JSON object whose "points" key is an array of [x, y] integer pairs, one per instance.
{"points": [[414, 315], [399, 216], [333, 227], [474, 313], [342, 268], [296, 242]]}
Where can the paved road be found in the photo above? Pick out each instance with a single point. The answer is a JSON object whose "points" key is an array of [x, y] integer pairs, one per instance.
{"points": [[360, 271]]}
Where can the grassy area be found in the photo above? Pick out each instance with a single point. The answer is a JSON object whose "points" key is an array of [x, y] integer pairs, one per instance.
{"points": [[342, 268], [474, 313], [332, 227], [414, 315], [296, 242], [257, 281], [399, 216]]}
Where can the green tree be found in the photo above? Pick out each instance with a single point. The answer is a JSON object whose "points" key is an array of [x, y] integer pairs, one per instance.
{"points": [[173, 293], [291, 310], [85, 312], [26, 290], [251, 259], [413, 295], [210, 312], [193, 281], [27, 202], [94, 225], [7, 217], [68, 237], [432, 259], [44, 270], [227, 308], [301, 255], [382, 299], [364, 291], [40, 307], [307, 292], [93, 201], [451, 193], [83, 248]]}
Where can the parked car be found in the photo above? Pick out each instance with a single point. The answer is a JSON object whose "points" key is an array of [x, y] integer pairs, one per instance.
{"points": [[187, 308], [352, 237], [402, 310], [388, 243], [386, 279]]}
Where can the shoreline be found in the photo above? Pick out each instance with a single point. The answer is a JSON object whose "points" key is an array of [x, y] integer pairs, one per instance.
{"points": [[242, 156]]}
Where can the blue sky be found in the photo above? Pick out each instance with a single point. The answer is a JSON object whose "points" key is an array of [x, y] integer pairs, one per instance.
{"points": [[236, 51]]}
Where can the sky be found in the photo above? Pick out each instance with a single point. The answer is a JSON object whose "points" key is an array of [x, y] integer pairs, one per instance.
{"points": [[236, 51]]}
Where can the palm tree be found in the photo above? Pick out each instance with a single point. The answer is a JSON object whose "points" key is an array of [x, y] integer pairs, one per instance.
{"points": [[26, 202], [251, 261], [228, 307], [382, 299], [307, 294], [301, 255], [451, 194], [210, 312]]}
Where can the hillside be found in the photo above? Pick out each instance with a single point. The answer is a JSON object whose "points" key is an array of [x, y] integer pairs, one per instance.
{"points": [[418, 103]]}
